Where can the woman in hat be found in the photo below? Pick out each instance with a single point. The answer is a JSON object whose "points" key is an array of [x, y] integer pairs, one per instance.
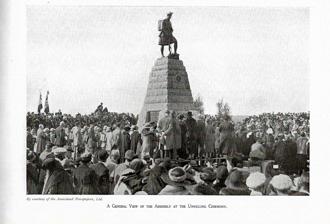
{"points": [[57, 180], [281, 185], [131, 179], [235, 185], [205, 187], [176, 182]]}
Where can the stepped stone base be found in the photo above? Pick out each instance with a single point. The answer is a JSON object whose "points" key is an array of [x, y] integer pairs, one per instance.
{"points": [[168, 89]]}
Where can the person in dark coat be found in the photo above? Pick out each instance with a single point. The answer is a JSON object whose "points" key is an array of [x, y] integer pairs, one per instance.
{"points": [[302, 152], [200, 134], [60, 135], [84, 177], [221, 176], [154, 182], [125, 140], [29, 139], [191, 143], [58, 180], [32, 174], [102, 172], [227, 142], [135, 138], [208, 176], [182, 152], [279, 150]]}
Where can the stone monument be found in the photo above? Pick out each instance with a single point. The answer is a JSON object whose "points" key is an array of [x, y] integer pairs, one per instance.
{"points": [[168, 87]]}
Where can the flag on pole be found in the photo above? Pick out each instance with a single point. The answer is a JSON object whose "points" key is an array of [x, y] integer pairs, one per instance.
{"points": [[40, 104], [46, 110]]}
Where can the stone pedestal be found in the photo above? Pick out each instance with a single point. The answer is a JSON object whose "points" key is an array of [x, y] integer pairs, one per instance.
{"points": [[168, 89]]}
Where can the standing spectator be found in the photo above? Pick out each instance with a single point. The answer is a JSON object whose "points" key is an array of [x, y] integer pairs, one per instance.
{"points": [[191, 125], [125, 140], [102, 172], [182, 152], [164, 125], [77, 140], [60, 135], [209, 139], [302, 151], [200, 135], [148, 140], [108, 136], [41, 140], [29, 139], [135, 138], [227, 143], [84, 177]]}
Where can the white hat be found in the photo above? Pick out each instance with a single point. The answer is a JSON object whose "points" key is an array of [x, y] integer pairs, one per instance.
{"points": [[255, 180], [269, 131], [59, 150], [281, 182]]}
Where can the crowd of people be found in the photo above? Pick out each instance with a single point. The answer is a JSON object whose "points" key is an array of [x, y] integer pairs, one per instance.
{"points": [[181, 154]]}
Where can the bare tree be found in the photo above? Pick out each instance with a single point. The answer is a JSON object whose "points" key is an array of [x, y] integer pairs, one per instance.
{"points": [[199, 104], [223, 109]]}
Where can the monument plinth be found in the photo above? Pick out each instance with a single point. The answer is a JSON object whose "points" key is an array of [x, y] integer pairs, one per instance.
{"points": [[168, 89]]}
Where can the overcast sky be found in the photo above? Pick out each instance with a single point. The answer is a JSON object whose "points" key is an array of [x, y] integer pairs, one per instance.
{"points": [[255, 58]]}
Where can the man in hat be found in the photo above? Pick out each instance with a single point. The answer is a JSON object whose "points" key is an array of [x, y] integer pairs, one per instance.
{"points": [[102, 172], [125, 140], [166, 35], [176, 181], [135, 138], [182, 152], [84, 177], [129, 156], [191, 125]]}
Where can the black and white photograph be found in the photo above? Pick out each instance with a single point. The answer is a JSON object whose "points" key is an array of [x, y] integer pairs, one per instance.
{"points": [[167, 100], [164, 111]]}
